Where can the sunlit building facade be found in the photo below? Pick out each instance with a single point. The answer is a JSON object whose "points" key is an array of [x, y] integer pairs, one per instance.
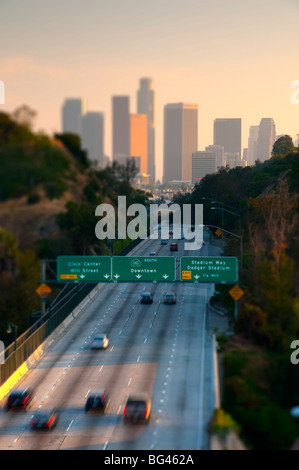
{"points": [[139, 140], [180, 140], [146, 105]]}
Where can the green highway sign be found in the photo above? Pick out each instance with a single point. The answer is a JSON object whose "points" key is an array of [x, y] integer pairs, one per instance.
{"points": [[209, 269], [143, 268], [84, 268]]}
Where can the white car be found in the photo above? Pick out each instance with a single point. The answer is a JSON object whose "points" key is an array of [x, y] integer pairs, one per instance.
{"points": [[100, 342]]}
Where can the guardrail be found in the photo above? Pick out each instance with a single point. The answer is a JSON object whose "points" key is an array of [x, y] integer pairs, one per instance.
{"points": [[20, 350]]}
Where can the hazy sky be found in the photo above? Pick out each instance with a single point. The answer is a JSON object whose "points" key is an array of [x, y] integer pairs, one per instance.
{"points": [[232, 58]]}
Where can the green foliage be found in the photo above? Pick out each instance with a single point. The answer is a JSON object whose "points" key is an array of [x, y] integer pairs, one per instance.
{"points": [[73, 143], [19, 277], [283, 146], [24, 167], [222, 423], [78, 224], [12, 132], [259, 390]]}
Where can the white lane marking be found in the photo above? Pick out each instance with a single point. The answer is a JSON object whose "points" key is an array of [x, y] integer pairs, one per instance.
{"points": [[69, 426]]}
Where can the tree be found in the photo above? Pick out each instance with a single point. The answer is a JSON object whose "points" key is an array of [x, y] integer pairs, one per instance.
{"points": [[19, 278], [283, 146]]}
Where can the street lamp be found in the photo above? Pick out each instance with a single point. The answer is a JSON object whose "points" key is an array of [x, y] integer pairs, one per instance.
{"points": [[226, 210]]}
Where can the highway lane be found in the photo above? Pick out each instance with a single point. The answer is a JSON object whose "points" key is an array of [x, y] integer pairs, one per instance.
{"points": [[161, 349]]}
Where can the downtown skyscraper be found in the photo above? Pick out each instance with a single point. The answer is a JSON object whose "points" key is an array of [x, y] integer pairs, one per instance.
{"points": [[227, 132], [146, 105], [72, 111], [266, 139], [120, 128], [180, 140], [93, 137]]}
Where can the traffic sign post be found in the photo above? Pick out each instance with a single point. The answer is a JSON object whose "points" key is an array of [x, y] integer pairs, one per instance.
{"points": [[209, 269], [84, 268], [143, 268], [236, 293]]}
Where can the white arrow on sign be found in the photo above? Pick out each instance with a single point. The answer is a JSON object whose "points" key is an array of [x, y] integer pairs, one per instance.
{"points": [[138, 276], [106, 276], [196, 276], [165, 276], [82, 276], [116, 275]]}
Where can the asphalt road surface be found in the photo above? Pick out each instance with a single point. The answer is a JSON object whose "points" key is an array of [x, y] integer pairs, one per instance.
{"points": [[164, 350]]}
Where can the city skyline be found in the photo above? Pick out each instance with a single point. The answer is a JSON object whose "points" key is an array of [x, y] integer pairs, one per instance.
{"points": [[232, 59]]}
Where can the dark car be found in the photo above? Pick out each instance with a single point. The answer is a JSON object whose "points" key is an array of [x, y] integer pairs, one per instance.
{"points": [[44, 419], [173, 247], [97, 401], [146, 298], [20, 399], [163, 241], [170, 298], [138, 408]]}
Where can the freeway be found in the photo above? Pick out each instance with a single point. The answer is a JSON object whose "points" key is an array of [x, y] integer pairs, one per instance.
{"points": [[160, 349]]}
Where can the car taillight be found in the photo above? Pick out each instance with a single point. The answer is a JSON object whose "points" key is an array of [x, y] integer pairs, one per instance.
{"points": [[125, 410], [25, 400], [50, 421], [146, 411], [102, 398]]}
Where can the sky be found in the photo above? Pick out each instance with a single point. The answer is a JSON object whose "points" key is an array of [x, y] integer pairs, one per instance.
{"points": [[234, 59]]}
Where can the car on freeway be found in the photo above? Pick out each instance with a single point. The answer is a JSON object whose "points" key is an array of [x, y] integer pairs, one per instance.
{"points": [[138, 408], [173, 247], [100, 341], [170, 298], [98, 401], [20, 399], [146, 298], [153, 253], [170, 232], [163, 241], [44, 419]]}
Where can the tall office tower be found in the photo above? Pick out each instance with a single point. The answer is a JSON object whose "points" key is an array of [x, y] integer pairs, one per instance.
{"points": [[93, 137], [203, 163], [266, 139], [227, 132], [219, 151], [146, 105], [72, 111], [139, 140], [180, 140], [120, 128], [252, 145]]}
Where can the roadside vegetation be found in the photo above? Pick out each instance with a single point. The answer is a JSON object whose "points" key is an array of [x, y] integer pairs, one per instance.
{"points": [[49, 191], [260, 383]]}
